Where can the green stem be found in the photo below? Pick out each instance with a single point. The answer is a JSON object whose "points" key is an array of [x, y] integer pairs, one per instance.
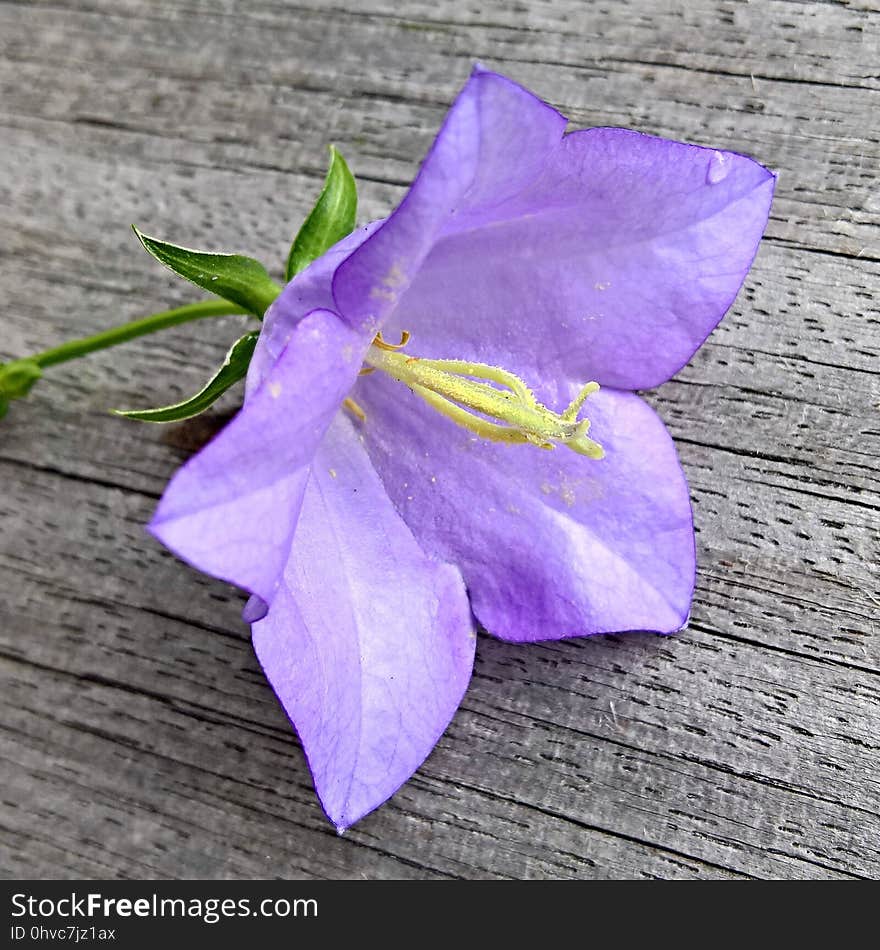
{"points": [[129, 331]]}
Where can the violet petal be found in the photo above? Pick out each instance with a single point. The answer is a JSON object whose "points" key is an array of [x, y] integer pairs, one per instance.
{"points": [[369, 643], [230, 510], [308, 291], [550, 544], [604, 254]]}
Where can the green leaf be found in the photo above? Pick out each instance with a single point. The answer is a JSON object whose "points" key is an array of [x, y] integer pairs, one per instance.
{"points": [[236, 278], [331, 219], [234, 368]]}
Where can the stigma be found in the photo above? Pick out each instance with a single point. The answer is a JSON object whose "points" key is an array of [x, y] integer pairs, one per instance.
{"points": [[486, 400]]}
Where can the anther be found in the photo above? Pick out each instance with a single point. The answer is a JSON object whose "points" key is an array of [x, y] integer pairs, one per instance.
{"points": [[354, 409], [487, 400]]}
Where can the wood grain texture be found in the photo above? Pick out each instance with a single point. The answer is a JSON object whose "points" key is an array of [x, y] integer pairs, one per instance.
{"points": [[138, 735]]}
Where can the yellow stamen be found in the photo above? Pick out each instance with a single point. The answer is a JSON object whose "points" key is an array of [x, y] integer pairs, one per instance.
{"points": [[354, 409], [463, 392]]}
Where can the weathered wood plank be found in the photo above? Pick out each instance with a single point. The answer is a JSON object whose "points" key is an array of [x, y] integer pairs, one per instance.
{"points": [[138, 735], [255, 112]]}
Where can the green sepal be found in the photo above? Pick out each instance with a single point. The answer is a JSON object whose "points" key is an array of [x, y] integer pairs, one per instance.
{"points": [[330, 220], [234, 368], [16, 380], [236, 278]]}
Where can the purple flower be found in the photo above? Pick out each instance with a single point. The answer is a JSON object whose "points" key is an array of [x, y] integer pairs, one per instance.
{"points": [[524, 262]]}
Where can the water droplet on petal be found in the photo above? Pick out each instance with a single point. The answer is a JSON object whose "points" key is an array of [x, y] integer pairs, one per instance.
{"points": [[718, 168], [255, 609]]}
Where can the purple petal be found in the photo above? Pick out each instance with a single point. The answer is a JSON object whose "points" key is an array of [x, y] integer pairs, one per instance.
{"points": [[369, 643], [230, 511], [481, 135], [604, 254], [308, 291], [550, 544]]}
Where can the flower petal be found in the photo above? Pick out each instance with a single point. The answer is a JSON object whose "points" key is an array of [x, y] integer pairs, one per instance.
{"points": [[550, 544], [369, 644], [230, 511], [603, 254], [492, 144], [308, 291]]}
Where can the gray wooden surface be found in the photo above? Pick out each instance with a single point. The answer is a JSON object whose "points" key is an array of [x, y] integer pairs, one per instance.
{"points": [[138, 736]]}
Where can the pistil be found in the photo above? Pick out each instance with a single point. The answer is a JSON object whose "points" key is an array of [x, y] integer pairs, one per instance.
{"points": [[487, 400]]}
